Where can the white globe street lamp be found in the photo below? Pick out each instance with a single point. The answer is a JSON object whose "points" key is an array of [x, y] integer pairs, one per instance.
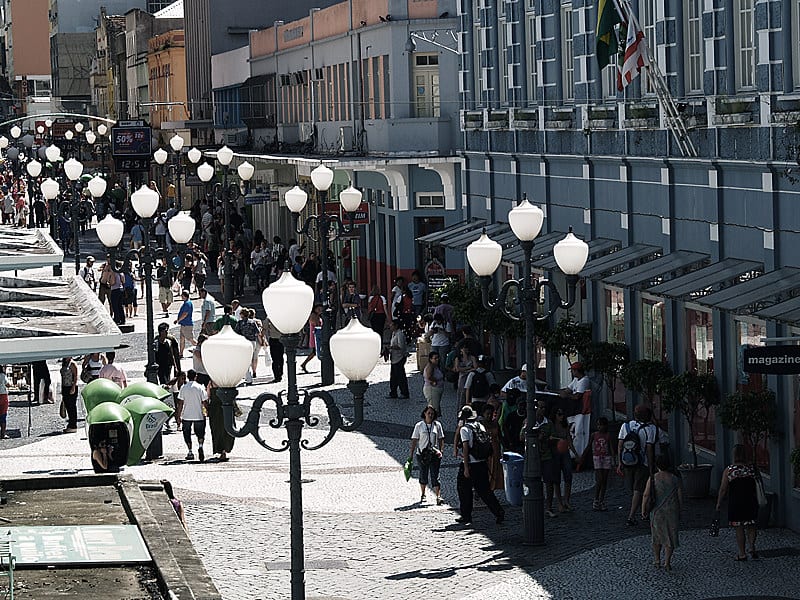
{"points": [[102, 129], [97, 186], [34, 168], [176, 143], [288, 303], [16, 132], [484, 255], [91, 138], [68, 134], [350, 199], [181, 227], [161, 156], [144, 202], [322, 178], [224, 156], [3, 142], [110, 231], [78, 127], [226, 357], [50, 188], [205, 172], [73, 169], [526, 220], [53, 153], [245, 171], [296, 199], [194, 155]]}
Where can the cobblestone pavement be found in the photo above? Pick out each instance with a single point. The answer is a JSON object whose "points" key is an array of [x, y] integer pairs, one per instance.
{"points": [[367, 535]]}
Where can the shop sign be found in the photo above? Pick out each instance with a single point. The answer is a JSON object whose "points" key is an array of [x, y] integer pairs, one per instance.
{"points": [[772, 360]]}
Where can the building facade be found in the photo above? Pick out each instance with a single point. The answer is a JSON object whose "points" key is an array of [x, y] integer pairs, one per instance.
{"points": [[692, 257], [346, 83], [166, 63]]}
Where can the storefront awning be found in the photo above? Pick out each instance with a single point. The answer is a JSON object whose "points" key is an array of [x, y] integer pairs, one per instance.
{"points": [[438, 237], [597, 247], [543, 247], [461, 241], [611, 263], [787, 311], [755, 293], [705, 280], [655, 270]]}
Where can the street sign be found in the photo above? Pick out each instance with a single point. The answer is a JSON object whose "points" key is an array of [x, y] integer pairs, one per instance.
{"points": [[130, 124], [360, 216], [772, 360], [266, 196], [131, 141], [76, 544]]}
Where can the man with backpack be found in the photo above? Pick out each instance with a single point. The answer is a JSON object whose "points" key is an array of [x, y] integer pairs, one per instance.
{"points": [[473, 472], [477, 385], [636, 454]]}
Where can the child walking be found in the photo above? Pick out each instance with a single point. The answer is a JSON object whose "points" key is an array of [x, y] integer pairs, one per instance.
{"points": [[601, 456]]}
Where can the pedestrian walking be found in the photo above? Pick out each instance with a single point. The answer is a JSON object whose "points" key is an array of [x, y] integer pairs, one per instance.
{"points": [[208, 310], [418, 291], [69, 392], [465, 363], [184, 319], [90, 369], [427, 445], [197, 361], [276, 350], [433, 386], [221, 440], [87, 273], [191, 414], [600, 447], [106, 279], [167, 352], [561, 440], [636, 460], [314, 336], [113, 372], [376, 311], [473, 472], [3, 402], [42, 393], [665, 490], [117, 294], [739, 484], [489, 422], [250, 329], [397, 354], [164, 288], [439, 333]]}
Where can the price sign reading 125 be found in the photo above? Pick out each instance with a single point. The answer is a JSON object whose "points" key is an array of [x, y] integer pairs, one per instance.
{"points": [[131, 141]]}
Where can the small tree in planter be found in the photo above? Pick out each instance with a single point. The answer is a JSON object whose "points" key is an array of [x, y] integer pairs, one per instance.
{"points": [[645, 376], [689, 393], [607, 359], [752, 413], [568, 338]]}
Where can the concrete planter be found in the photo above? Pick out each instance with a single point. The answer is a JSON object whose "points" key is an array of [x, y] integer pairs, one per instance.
{"points": [[696, 481]]}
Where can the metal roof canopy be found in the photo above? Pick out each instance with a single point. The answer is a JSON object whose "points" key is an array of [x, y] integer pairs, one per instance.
{"points": [[597, 247], [787, 311], [460, 242], [598, 267], [437, 236], [758, 289], [542, 247], [42, 318], [704, 278], [27, 249], [652, 270]]}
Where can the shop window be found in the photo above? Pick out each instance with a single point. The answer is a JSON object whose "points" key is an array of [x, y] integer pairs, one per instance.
{"points": [[654, 330], [748, 334], [615, 332], [700, 359]]}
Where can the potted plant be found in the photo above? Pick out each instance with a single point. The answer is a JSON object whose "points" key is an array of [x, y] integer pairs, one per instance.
{"points": [[752, 413], [568, 338], [644, 377], [689, 393], [607, 359]]}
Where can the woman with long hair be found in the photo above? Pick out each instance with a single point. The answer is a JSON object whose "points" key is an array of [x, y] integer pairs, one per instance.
{"points": [[427, 444]]}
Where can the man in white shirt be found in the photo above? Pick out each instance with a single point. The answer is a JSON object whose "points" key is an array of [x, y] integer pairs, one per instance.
{"points": [[518, 383], [189, 413], [643, 463], [580, 421]]}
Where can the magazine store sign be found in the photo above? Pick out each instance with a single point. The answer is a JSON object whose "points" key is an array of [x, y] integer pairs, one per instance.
{"points": [[772, 360]]}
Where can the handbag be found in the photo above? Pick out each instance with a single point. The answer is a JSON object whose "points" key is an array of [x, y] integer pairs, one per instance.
{"points": [[761, 495], [713, 531], [86, 375], [62, 410]]}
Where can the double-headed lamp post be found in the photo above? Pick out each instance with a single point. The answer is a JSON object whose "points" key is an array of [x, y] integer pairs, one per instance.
{"points": [[323, 227], [74, 210], [227, 195], [34, 169], [484, 256], [226, 357], [181, 228], [176, 168]]}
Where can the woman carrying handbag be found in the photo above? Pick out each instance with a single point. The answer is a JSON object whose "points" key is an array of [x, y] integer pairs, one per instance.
{"points": [[428, 442]]}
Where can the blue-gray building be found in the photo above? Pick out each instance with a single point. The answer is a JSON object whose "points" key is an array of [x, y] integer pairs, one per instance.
{"points": [[692, 258]]}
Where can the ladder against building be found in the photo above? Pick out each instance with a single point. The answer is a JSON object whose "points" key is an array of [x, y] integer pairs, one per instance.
{"points": [[672, 117], [7, 565]]}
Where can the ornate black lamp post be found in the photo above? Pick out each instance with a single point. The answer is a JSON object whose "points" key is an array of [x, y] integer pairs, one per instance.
{"points": [[227, 194], [484, 257], [226, 357], [323, 227], [76, 208], [175, 168], [181, 228]]}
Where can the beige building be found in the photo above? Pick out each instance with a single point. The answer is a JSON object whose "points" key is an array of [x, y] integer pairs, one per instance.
{"points": [[27, 51], [166, 64]]}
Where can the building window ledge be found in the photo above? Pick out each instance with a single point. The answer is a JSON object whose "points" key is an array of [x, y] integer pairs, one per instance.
{"points": [[525, 118]]}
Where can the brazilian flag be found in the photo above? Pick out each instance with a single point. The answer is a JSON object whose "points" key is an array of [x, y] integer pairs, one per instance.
{"points": [[608, 16]]}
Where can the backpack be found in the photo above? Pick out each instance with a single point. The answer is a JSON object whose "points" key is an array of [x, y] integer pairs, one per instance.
{"points": [[481, 447], [480, 385], [632, 447]]}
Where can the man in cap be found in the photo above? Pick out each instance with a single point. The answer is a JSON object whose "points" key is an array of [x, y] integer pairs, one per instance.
{"points": [[520, 382], [87, 273]]}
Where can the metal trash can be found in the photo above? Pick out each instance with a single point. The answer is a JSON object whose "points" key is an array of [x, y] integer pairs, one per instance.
{"points": [[512, 474]]}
